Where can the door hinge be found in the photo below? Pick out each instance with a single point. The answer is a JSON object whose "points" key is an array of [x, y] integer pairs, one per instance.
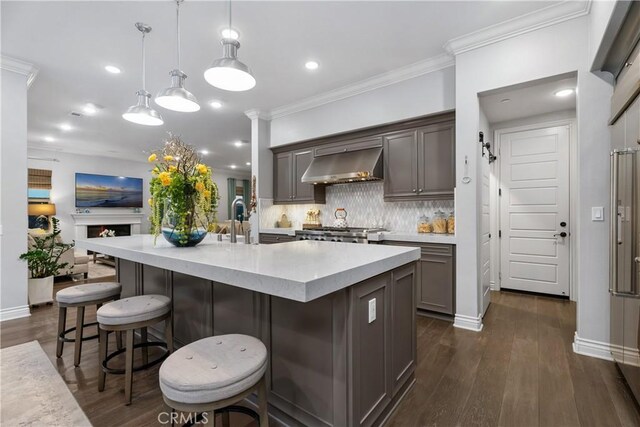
{"points": [[499, 191], [500, 275], [489, 235], [499, 233]]}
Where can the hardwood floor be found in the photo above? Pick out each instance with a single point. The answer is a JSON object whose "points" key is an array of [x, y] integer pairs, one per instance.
{"points": [[519, 371]]}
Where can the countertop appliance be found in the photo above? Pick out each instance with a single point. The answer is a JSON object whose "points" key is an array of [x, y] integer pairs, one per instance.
{"points": [[333, 234], [624, 268]]}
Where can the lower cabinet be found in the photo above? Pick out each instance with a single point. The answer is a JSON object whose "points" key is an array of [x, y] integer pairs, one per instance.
{"points": [[435, 290], [269, 238]]}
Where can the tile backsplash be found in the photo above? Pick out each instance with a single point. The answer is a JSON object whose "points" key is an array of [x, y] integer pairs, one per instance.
{"points": [[365, 205]]}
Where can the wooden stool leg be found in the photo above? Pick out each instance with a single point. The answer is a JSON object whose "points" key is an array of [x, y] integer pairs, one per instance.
{"points": [[102, 355], [119, 340], [211, 421], [145, 350], [128, 375], [263, 408], [62, 322], [168, 333], [79, 333], [225, 419], [98, 326]]}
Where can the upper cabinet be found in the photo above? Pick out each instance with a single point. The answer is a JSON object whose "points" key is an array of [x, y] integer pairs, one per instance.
{"points": [[420, 163], [287, 184]]}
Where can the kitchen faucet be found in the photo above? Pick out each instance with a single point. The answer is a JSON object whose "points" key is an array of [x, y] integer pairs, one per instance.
{"points": [[245, 215]]}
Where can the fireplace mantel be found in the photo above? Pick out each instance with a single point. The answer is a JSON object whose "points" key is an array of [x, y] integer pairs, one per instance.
{"points": [[82, 220]]}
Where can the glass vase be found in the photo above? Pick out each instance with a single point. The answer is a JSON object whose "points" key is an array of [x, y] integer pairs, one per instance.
{"points": [[186, 228]]}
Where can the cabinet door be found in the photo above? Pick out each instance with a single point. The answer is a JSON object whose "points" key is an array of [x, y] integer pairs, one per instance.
{"points": [[301, 161], [436, 285], [632, 124], [436, 161], [345, 146], [282, 177], [400, 164]]}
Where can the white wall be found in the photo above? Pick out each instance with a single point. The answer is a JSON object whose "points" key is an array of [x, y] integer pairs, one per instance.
{"points": [[547, 52], [13, 202], [63, 182], [426, 94]]}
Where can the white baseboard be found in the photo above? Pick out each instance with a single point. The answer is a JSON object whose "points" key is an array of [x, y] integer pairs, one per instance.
{"points": [[14, 313], [494, 286], [598, 349], [468, 322]]}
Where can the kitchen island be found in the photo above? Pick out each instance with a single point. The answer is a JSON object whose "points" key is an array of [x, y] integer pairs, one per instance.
{"points": [[338, 319]]}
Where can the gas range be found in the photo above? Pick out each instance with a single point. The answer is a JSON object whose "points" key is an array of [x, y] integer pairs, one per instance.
{"points": [[333, 234]]}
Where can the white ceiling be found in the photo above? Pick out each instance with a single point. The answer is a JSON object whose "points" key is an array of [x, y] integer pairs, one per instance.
{"points": [[70, 42], [529, 99]]}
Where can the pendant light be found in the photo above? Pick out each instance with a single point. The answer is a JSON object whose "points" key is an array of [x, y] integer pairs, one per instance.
{"points": [[228, 72], [142, 113], [176, 97]]}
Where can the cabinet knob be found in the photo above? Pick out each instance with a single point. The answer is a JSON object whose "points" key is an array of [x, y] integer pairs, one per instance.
{"points": [[414, 190], [628, 64], [344, 149], [419, 190]]}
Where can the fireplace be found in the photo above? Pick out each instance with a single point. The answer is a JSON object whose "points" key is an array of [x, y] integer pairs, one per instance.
{"points": [[120, 229]]}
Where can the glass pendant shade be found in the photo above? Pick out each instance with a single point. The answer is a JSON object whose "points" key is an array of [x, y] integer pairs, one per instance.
{"points": [[176, 97], [142, 113], [228, 72]]}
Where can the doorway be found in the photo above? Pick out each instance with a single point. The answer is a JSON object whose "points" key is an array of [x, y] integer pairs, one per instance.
{"points": [[532, 131]]}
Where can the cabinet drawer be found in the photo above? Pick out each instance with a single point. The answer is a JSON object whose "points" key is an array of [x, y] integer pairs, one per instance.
{"points": [[346, 146], [267, 239], [627, 85], [426, 248]]}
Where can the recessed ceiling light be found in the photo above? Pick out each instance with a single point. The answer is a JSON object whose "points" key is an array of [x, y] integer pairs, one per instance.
{"points": [[230, 33], [112, 69], [65, 127], [505, 100], [232, 166], [238, 143], [49, 138], [311, 65], [248, 163], [90, 109], [204, 152], [563, 92], [216, 104]]}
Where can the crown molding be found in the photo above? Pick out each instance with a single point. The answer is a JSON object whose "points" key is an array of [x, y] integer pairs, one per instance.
{"points": [[257, 114], [523, 24], [379, 81], [21, 67]]}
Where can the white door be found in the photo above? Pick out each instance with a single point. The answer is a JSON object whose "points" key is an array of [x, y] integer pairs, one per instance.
{"points": [[485, 233], [534, 210]]}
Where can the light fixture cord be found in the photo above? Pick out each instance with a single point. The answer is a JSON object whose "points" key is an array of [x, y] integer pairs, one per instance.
{"points": [[144, 69], [178, 30], [230, 16]]}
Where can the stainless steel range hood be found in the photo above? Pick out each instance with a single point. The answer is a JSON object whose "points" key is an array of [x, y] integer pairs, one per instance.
{"points": [[351, 166]]}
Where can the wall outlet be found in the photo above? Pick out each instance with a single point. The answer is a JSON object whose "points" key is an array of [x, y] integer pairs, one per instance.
{"points": [[372, 310], [597, 213]]}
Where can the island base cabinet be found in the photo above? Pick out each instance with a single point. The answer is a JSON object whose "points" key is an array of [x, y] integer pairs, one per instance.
{"points": [[344, 359]]}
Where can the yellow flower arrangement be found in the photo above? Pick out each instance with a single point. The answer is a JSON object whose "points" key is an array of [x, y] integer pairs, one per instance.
{"points": [[183, 193]]}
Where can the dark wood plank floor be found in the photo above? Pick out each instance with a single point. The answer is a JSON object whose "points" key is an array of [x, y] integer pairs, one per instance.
{"points": [[519, 371]]}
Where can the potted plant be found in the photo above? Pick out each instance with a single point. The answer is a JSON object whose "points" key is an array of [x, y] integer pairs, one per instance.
{"points": [[43, 262], [184, 197]]}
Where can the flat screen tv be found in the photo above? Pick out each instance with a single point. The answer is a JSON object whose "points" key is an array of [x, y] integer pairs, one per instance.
{"points": [[105, 191]]}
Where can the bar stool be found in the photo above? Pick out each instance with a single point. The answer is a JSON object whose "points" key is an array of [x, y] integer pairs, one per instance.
{"points": [[215, 372], [126, 315], [80, 296]]}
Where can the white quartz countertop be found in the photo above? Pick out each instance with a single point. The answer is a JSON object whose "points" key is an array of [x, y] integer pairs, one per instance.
{"points": [[286, 231], [299, 270], [409, 236]]}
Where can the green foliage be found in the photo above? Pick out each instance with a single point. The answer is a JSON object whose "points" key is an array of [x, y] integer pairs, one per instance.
{"points": [[43, 258]]}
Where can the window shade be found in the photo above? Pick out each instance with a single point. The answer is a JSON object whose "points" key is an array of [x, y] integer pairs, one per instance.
{"points": [[40, 179]]}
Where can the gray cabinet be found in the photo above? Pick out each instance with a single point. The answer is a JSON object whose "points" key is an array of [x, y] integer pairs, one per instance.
{"points": [[420, 163], [269, 238], [435, 289], [347, 146], [287, 179]]}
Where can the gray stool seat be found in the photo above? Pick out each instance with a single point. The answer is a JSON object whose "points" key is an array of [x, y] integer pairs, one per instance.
{"points": [[133, 309], [89, 292], [213, 369]]}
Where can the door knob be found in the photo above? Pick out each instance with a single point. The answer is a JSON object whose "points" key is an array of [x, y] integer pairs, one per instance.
{"points": [[563, 234]]}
